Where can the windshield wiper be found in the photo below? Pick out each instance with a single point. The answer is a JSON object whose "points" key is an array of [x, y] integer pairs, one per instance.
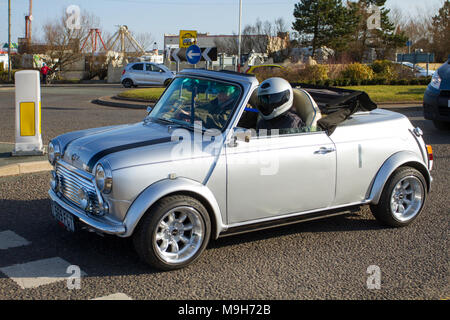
{"points": [[162, 120], [171, 124], [175, 125]]}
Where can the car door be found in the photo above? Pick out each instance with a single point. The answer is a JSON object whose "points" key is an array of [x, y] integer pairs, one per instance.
{"points": [[149, 74], [280, 175], [138, 73], [158, 74]]}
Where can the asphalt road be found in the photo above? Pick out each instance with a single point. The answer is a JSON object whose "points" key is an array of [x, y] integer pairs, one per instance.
{"points": [[67, 108], [324, 259]]}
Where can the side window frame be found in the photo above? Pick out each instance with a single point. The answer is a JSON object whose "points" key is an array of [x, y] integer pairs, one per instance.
{"points": [[255, 133], [156, 69], [137, 64]]}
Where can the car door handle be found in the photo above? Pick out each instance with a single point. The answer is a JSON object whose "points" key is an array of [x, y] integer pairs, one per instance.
{"points": [[324, 150]]}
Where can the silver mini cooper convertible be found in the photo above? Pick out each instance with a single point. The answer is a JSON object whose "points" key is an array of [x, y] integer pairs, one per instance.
{"points": [[197, 167]]}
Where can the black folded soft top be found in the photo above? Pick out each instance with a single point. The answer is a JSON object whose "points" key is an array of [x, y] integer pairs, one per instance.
{"points": [[336, 103]]}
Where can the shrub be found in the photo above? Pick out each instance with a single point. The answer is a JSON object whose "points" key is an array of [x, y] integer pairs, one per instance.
{"points": [[4, 76], [316, 72], [383, 69], [380, 66], [424, 81], [402, 72], [357, 72]]}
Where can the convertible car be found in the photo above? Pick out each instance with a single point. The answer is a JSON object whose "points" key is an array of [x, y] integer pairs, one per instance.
{"points": [[196, 168]]}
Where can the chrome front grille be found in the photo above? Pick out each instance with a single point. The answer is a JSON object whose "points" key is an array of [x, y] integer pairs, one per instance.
{"points": [[70, 185]]}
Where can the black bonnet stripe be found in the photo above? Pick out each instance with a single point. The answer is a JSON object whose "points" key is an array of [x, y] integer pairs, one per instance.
{"points": [[106, 152]]}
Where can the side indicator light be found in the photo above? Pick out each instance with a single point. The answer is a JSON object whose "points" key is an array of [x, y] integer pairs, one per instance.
{"points": [[430, 152]]}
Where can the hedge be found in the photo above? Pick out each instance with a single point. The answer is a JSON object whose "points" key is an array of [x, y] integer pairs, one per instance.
{"points": [[376, 81]]}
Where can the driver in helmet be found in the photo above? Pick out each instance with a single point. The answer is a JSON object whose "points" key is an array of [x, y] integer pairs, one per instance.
{"points": [[275, 105]]}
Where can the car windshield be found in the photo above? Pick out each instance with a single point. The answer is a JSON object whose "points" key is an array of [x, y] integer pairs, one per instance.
{"points": [[189, 102]]}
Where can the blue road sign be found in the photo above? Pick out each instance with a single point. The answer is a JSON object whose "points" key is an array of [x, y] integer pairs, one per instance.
{"points": [[422, 57], [193, 54]]}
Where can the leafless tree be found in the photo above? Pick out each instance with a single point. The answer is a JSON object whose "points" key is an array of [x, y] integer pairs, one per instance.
{"points": [[418, 29], [63, 41], [146, 40], [255, 37]]}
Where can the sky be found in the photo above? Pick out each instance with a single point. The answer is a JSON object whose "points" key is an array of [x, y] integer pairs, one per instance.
{"points": [[169, 16]]}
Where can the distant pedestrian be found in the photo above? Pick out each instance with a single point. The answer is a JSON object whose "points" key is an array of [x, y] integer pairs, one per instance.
{"points": [[44, 71]]}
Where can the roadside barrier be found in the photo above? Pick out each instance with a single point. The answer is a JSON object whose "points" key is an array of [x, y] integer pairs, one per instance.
{"points": [[28, 114]]}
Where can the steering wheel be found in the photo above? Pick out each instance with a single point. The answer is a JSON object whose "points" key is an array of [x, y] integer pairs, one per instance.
{"points": [[182, 113]]}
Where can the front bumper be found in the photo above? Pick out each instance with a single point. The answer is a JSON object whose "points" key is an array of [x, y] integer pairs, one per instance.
{"points": [[436, 107], [98, 224]]}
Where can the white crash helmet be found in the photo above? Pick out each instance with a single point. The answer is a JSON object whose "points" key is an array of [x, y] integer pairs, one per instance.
{"points": [[275, 97]]}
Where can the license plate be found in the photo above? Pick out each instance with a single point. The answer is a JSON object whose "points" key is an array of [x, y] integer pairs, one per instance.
{"points": [[63, 217]]}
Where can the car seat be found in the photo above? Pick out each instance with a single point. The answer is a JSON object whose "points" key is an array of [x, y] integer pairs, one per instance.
{"points": [[306, 107]]}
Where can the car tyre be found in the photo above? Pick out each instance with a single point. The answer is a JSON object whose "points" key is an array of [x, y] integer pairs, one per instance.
{"points": [[441, 125], [402, 198], [173, 233], [127, 83]]}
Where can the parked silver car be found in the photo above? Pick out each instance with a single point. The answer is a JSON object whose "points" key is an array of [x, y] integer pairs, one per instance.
{"points": [[417, 70], [189, 172], [146, 73]]}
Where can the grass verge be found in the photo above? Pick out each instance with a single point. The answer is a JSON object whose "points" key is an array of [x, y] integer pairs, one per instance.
{"points": [[392, 93], [149, 94], [376, 93]]}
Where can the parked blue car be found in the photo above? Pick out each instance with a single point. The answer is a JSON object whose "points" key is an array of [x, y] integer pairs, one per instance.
{"points": [[436, 101]]}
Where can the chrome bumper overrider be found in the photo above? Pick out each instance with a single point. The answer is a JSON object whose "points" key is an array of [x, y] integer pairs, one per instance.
{"points": [[101, 224]]}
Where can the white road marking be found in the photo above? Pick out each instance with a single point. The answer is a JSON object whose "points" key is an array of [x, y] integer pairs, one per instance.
{"points": [[9, 239], [37, 273], [115, 296]]}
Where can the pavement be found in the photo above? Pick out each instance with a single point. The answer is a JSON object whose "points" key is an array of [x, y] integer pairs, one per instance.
{"points": [[117, 102], [12, 165], [64, 108]]}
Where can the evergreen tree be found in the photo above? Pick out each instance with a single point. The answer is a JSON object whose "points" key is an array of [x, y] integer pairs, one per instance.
{"points": [[323, 23], [441, 30], [383, 39]]}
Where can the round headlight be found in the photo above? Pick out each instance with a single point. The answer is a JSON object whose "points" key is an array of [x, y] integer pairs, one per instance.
{"points": [[54, 182], [103, 178], [51, 153], [83, 197], [54, 152]]}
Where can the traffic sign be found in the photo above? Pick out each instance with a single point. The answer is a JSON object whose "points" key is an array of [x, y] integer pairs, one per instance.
{"points": [[417, 57], [193, 54], [175, 54], [187, 38], [208, 54]]}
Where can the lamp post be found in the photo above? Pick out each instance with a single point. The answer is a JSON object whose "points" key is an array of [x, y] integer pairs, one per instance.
{"points": [[239, 37], [9, 40]]}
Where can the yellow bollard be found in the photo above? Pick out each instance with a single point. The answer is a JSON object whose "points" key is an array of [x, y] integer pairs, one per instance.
{"points": [[28, 114]]}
